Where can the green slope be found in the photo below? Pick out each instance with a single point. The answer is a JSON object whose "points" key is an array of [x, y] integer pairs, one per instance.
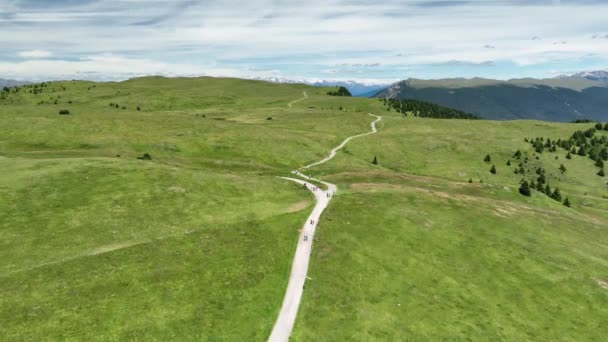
{"points": [[196, 243]]}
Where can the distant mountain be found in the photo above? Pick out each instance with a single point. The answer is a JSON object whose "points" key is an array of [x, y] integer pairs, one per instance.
{"points": [[601, 76], [356, 88], [564, 98], [10, 83]]}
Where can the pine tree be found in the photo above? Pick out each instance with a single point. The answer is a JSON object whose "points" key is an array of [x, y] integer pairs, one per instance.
{"points": [[606, 126], [601, 173], [562, 168], [493, 169], [487, 159], [568, 156], [470, 180], [599, 163], [524, 189], [517, 154], [375, 161], [539, 187], [567, 202], [541, 179], [508, 163], [582, 152], [548, 190], [604, 154], [556, 195]]}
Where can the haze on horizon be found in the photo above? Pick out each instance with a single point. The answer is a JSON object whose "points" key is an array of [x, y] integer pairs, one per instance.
{"points": [[367, 41]]}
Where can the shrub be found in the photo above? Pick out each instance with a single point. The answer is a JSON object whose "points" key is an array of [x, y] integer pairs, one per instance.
{"points": [[64, 112], [146, 156]]}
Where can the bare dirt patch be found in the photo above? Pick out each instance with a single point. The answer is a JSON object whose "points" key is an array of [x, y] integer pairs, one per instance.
{"points": [[294, 208], [603, 283], [177, 189], [113, 247]]}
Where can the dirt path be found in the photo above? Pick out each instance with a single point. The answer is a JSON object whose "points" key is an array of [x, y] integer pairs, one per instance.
{"points": [[299, 267], [298, 100]]}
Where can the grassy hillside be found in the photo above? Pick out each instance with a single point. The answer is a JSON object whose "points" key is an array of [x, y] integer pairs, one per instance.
{"points": [[412, 251], [196, 243]]}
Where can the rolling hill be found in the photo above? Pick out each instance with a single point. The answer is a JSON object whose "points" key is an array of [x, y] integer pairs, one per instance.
{"points": [[155, 211], [560, 99]]}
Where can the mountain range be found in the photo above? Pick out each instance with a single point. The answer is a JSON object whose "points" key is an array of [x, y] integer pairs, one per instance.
{"points": [[10, 83], [356, 88], [564, 98]]}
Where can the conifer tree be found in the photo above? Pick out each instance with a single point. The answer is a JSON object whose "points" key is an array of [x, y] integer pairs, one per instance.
{"points": [[508, 163], [517, 154], [539, 187], [562, 168], [541, 179], [604, 154], [493, 169], [567, 202], [582, 152], [568, 156], [599, 163], [487, 159], [524, 189], [548, 190], [601, 173], [556, 195], [375, 161]]}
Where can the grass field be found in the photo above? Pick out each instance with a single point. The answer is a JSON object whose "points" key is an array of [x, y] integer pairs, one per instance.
{"points": [[412, 251], [196, 243]]}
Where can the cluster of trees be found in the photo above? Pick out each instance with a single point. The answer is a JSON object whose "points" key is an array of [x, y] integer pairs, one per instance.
{"points": [[583, 143], [426, 109], [488, 159], [34, 89], [340, 92], [540, 183]]}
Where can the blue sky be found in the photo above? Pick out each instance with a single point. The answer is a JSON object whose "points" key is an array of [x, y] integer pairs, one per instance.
{"points": [[369, 41]]}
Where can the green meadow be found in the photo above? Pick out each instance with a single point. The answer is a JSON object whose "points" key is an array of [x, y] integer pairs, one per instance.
{"points": [[196, 242]]}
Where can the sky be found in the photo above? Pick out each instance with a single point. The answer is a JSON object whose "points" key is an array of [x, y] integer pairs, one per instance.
{"points": [[366, 41]]}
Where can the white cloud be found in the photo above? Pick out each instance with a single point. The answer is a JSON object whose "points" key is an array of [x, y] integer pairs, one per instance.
{"points": [[35, 54], [242, 38]]}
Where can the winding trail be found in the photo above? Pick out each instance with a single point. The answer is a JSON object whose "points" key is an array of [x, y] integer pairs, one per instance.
{"points": [[298, 100], [299, 267]]}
